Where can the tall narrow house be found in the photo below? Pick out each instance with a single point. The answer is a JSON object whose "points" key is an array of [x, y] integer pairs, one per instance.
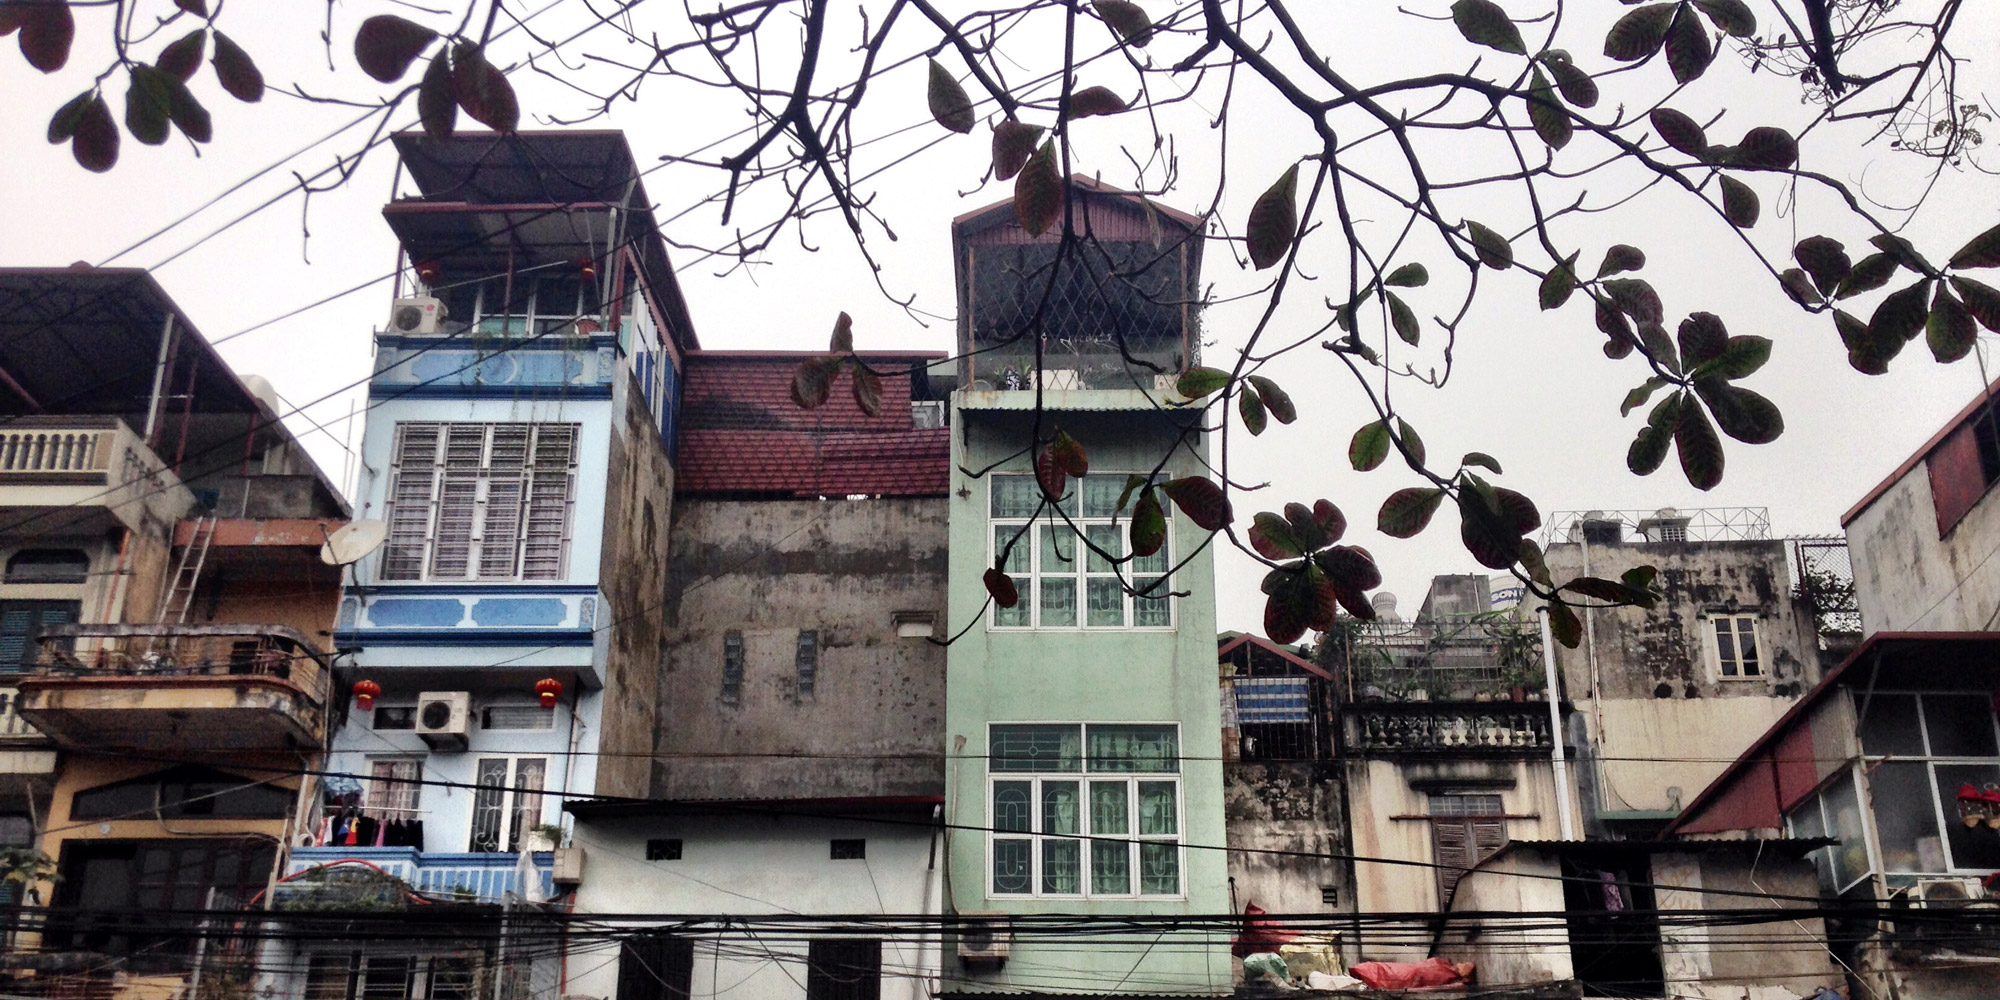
{"points": [[502, 643], [1082, 721]]}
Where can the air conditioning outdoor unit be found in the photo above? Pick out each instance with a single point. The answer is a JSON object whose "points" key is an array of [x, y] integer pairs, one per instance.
{"points": [[416, 314], [984, 937], [444, 718], [1946, 893]]}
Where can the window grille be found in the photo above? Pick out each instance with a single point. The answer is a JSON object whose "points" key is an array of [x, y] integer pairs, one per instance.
{"points": [[808, 662], [1054, 785], [517, 717], [475, 501], [732, 667]]}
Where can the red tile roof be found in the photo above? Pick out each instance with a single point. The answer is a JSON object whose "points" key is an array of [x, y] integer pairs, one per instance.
{"points": [[741, 432]]}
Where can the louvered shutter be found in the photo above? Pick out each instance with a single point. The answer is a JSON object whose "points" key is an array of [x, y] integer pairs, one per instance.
{"points": [[411, 491], [551, 485], [458, 501], [500, 527], [1452, 842]]}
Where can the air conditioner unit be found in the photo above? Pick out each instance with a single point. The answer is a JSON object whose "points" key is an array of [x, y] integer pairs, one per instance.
{"points": [[416, 314], [566, 866], [1946, 893], [984, 937], [444, 718]]}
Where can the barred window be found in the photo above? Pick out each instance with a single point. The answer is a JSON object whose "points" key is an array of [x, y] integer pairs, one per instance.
{"points": [[1063, 582], [1085, 810], [476, 501]]}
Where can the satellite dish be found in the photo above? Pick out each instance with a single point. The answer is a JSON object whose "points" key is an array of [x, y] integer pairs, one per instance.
{"points": [[353, 541]]}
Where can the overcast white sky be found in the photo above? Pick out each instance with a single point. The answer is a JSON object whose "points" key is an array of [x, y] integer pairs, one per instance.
{"points": [[1530, 388]]}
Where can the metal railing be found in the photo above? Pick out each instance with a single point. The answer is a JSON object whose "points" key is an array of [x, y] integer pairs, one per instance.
{"points": [[1665, 524], [1823, 574], [1462, 728], [164, 651]]}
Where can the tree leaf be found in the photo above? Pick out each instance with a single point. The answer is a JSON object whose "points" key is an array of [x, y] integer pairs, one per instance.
{"points": [[1661, 347], [1688, 54], [1483, 22], [1700, 449], [811, 381], [1128, 20], [1620, 258], [1403, 319], [1350, 567], [1680, 132], [1702, 338], [483, 91], [1564, 626], [1649, 448], [1013, 143], [1638, 396], [1149, 524], [238, 74], [1616, 329], [1275, 399], [1742, 414], [1408, 512], [1532, 561], [181, 59], [1413, 446], [1873, 272], [1799, 287], [1639, 33], [1001, 588], [1290, 605], [1133, 484], [1901, 313], [146, 101], [1493, 249], [1481, 459], [1577, 87], [63, 123], [1069, 455], [1252, 410], [1271, 535], [1825, 259], [1038, 191], [1766, 146], [1492, 522], [1308, 529], [1740, 358], [1198, 381], [1274, 221], [1983, 251], [1331, 522], [1546, 113], [1866, 353], [867, 388], [386, 45], [842, 340], [47, 29], [187, 113], [1981, 300], [1903, 250], [437, 98], [949, 104], [1201, 500], [198, 8], [95, 144], [1731, 17], [1091, 102], [1636, 298], [1739, 203], [1558, 284], [1369, 447], [1612, 591], [1411, 275], [1950, 329]]}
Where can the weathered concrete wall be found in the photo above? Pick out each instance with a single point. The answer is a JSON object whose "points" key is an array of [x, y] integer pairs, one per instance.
{"points": [[768, 569], [1738, 961], [1517, 881], [1285, 807], [1909, 579], [638, 506]]}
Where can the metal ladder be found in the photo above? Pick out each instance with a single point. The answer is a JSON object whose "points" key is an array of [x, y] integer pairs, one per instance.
{"points": [[180, 594]]}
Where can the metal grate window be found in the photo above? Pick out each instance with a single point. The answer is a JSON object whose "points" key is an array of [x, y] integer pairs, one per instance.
{"points": [[481, 501], [808, 662], [663, 849], [847, 850], [732, 667], [517, 717]]}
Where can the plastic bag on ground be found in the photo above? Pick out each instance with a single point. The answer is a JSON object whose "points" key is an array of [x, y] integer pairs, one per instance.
{"points": [[1266, 965], [1411, 975]]}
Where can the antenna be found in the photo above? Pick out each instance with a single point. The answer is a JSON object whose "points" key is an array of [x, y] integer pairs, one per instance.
{"points": [[354, 541]]}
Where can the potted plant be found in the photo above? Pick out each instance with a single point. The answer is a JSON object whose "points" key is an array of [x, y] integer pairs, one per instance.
{"points": [[543, 837]]}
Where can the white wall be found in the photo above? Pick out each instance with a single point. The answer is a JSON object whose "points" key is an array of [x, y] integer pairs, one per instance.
{"points": [[1907, 579]]}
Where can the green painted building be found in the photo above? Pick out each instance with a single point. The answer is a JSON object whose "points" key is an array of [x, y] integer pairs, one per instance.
{"points": [[1084, 720]]}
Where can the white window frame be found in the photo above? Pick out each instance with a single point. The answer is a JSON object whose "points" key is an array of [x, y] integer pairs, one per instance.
{"points": [[422, 975], [1944, 805], [404, 799], [1083, 777], [1025, 561], [1713, 644], [527, 508], [508, 838]]}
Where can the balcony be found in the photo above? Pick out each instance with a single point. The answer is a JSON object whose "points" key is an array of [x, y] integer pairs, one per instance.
{"points": [[208, 687], [1500, 729], [95, 470], [466, 878], [24, 751]]}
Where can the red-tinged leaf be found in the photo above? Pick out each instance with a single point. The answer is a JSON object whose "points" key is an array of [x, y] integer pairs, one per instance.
{"points": [[1275, 399], [1069, 455], [1981, 300], [1484, 22], [1252, 410], [1271, 535], [1001, 588], [1799, 287], [183, 57], [1413, 445], [198, 8], [1950, 329], [386, 45], [1133, 484], [1332, 523], [1149, 524], [1619, 259], [1306, 527], [1091, 102], [1983, 251], [1702, 338], [1013, 143], [187, 113], [1639, 33], [1408, 512], [1492, 248], [1201, 500], [1636, 298], [1901, 314], [1615, 327], [1197, 382], [867, 387], [1825, 259], [1557, 285], [1350, 566], [1564, 626], [950, 106], [1127, 19], [1905, 252], [1660, 346], [62, 124], [1739, 203], [842, 340], [239, 76], [1766, 146], [1532, 561], [1038, 192], [1700, 449], [1369, 447], [1050, 473], [1732, 17], [1577, 87], [483, 91], [1688, 54], [95, 144], [1649, 448], [1274, 221], [12, 15], [1871, 273], [1490, 543], [146, 100], [1742, 414], [1289, 605], [46, 33], [811, 382], [437, 100]]}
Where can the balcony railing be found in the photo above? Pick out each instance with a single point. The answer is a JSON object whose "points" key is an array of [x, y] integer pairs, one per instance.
{"points": [[1500, 728], [12, 727], [471, 878], [40, 451], [89, 464]]}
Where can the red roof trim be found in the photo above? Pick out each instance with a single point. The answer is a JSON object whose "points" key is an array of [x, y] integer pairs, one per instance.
{"points": [[1922, 453], [1267, 644]]}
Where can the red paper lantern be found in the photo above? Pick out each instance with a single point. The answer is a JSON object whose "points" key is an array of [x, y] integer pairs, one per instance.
{"points": [[365, 692], [549, 689], [429, 272], [587, 267]]}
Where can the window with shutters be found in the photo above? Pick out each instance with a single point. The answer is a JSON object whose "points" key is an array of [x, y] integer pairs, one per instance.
{"points": [[21, 625], [655, 967], [1963, 467], [474, 501], [1465, 830], [839, 969]]}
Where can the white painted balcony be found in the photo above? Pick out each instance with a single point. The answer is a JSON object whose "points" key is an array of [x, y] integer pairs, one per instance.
{"points": [[81, 473]]}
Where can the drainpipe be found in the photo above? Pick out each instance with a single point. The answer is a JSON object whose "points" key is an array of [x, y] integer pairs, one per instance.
{"points": [[930, 953], [1556, 759]]}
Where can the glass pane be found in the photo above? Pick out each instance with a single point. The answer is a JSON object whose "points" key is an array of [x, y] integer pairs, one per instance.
{"points": [[1013, 496], [1062, 866], [1905, 817], [1160, 868], [1107, 602], [1011, 802], [1110, 868], [1154, 610], [1100, 495], [1843, 814], [1134, 748], [386, 978], [1010, 865], [1960, 725], [1725, 647], [1970, 847], [1155, 563], [1059, 807], [1806, 824], [1105, 537], [1746, 646], [1109, 813], [1058, 548], [1157, 812], [1058, 601], [1017, 558], [1035, 748], [1890, 728]]}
